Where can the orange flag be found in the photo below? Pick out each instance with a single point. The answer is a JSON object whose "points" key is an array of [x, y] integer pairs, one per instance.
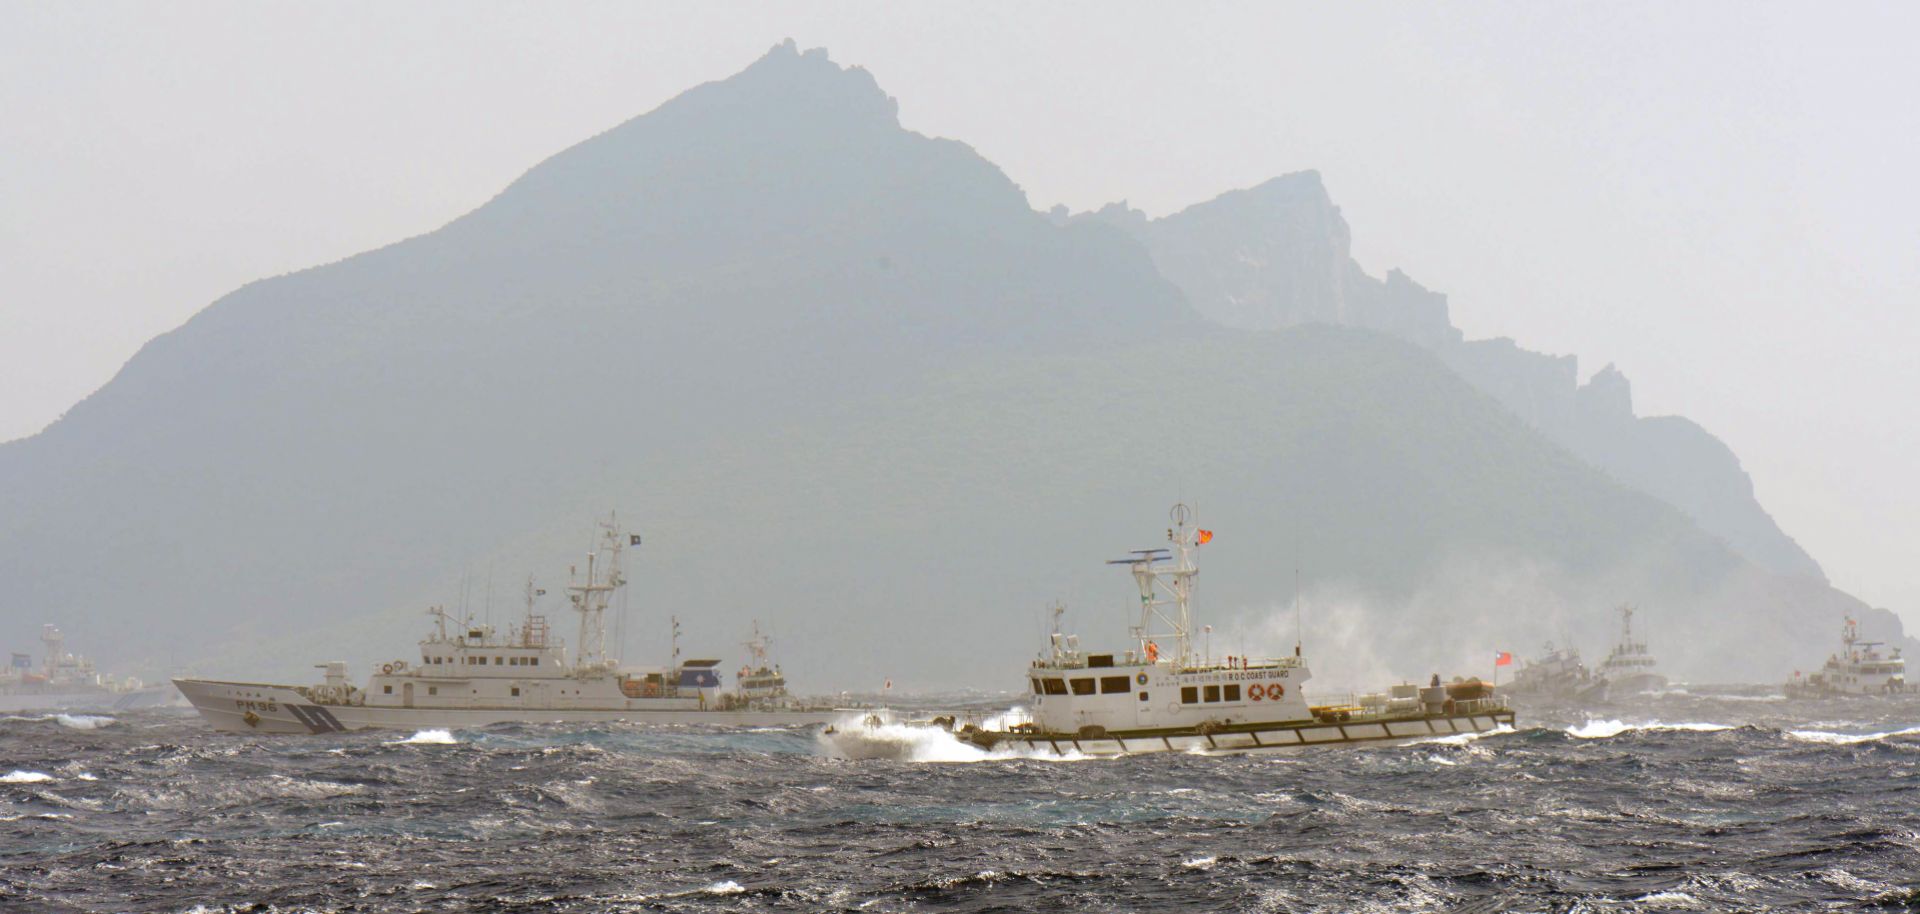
{"points": [[1206, 536]]}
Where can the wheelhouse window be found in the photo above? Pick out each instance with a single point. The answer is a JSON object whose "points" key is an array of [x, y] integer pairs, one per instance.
{"points": [[1233, 691], [1189, 695], [1038, 689], [1056, 686], [1113, 685], [1083, 686], [1213, 693]]}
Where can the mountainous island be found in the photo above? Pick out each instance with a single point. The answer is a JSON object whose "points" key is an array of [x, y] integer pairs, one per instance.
{"points": [[848, 381]]}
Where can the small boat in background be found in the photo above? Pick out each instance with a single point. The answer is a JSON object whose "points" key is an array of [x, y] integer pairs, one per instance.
{"points": [[1558, 675], [65, 681], [1860, 669]]}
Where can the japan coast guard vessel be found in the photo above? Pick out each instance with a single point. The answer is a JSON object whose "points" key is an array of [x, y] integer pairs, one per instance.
{"points": [[1149, 700], [470, 676]]}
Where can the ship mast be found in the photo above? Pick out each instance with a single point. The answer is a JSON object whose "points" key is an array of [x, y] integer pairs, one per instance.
{"points": [[533, 630], [590, 599], [757, 648], [1165, 590]]}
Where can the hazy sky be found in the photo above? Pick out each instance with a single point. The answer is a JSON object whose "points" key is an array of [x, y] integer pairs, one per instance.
{"points": [[1719, 198]]}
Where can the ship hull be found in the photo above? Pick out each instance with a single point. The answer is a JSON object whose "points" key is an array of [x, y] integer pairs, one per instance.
{"points": [[57, 701], [251, 707], [93, 700], [1246, 739], [1821, 693], [1635, 684]]}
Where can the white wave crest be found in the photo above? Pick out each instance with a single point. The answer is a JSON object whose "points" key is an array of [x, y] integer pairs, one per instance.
{"points": [[1603, 729], [1668, 899], [723, 887], [1463, 739], [25, 777], [880, 735], [1848, 739], [427, 738], [82, 721]]}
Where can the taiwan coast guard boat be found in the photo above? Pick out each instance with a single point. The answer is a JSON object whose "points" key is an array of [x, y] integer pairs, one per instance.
{"points": [[1149, 700], [1861, 668], [468, 675]]}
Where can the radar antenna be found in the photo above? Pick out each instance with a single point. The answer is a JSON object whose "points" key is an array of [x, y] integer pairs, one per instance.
{"points": [[1165, 578]]}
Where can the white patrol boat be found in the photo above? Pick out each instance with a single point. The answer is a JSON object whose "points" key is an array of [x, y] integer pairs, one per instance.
{"points": [[1859, 669], [1150, 700], [760, 683], [1629, 669], [471, 676]]}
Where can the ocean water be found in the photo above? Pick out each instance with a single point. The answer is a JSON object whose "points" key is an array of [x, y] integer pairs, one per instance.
{"points": [[1681, 803]]}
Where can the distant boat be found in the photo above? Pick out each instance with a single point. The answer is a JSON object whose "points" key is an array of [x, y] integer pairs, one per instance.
{"points": [[1630, 669], [472, 676], [760, 684], [1859, 669], [65, 681], [1559, 674]]}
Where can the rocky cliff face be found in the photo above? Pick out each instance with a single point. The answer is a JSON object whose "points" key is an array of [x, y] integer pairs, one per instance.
{"points": [[1279, 255], [851, 384]]}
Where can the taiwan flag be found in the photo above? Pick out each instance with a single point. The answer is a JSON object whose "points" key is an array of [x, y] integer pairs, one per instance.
{"points": [[1503, 658]]}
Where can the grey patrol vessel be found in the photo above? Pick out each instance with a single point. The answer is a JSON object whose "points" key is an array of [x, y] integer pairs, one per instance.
{"points": [[65, 681], [469, 675]]}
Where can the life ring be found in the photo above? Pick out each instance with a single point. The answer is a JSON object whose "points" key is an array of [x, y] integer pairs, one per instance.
{"points": [[1142, 678], [1275, 690], [1256, 692], [387, 668]]}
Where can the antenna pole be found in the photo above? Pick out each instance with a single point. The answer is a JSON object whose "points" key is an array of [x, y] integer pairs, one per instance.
{"points": [[1299, 628]]}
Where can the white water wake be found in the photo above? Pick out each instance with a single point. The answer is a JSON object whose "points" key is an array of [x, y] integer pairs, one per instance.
{"points": [[883, 735], [1848, 739], [1605, 729], [1464, 739]]}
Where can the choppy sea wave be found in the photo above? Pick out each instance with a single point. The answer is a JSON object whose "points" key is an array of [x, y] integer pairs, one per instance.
{"points": [[1684, 803]]}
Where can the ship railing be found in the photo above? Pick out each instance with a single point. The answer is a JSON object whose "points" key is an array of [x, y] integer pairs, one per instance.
{"points": [[1480, 705]]}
